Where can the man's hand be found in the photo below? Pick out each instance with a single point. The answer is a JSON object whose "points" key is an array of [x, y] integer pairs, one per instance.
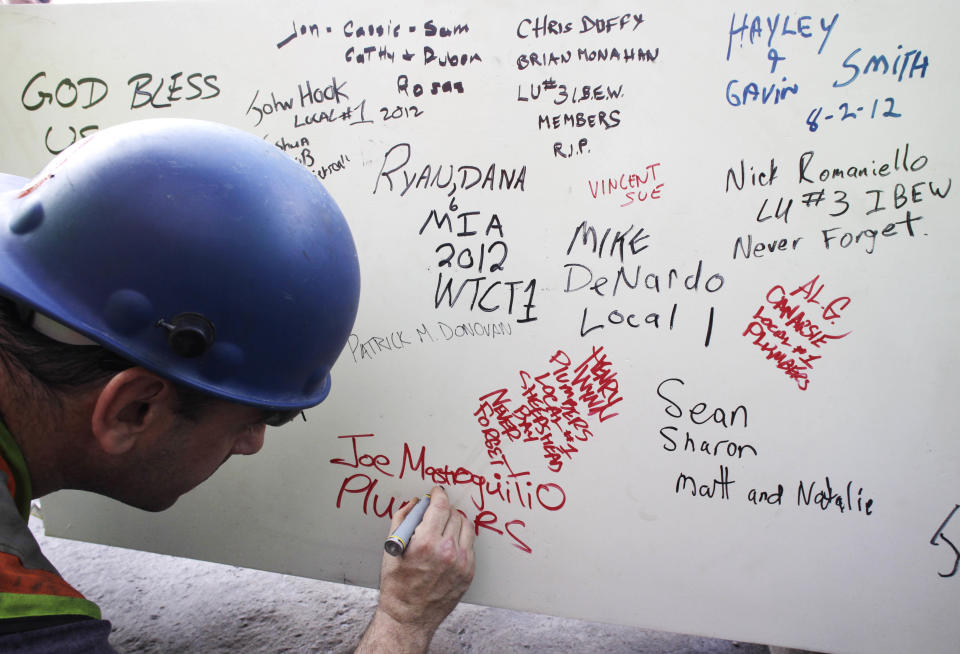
{"points": [[420, 588]]}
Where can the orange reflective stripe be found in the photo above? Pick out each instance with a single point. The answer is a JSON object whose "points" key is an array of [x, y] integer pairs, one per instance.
{"points": [[14, 578], [29, 584]]}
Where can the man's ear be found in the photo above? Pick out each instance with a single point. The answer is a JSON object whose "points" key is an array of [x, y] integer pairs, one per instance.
{"points": [[131, 405]]}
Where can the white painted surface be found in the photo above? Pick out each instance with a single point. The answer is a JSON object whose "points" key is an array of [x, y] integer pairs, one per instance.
{"points": [[626, 546]]}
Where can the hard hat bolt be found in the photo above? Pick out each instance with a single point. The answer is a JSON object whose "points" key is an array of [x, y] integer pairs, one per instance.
{"points": [[189, 334]]}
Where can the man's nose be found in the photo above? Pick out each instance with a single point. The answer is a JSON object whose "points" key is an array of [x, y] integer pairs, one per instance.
{"points": [[251, 442]]}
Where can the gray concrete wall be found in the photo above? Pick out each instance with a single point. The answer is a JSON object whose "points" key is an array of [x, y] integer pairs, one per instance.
{"points": [[166, 604]]}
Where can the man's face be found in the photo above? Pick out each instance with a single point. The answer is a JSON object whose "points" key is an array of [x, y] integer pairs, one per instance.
{"points": [[189, 452]]}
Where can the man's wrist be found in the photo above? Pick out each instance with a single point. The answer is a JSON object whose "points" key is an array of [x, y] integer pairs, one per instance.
{"points": [[388, 635]]}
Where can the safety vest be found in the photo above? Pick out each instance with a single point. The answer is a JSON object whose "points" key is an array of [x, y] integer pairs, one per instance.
{"points": [[29, 584]]}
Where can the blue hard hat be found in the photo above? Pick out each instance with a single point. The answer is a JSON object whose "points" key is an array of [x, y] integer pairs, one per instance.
{"points": [[193, 249]]}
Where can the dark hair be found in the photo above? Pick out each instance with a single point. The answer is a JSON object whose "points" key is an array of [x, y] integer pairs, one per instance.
{"points": [[60, 368]]}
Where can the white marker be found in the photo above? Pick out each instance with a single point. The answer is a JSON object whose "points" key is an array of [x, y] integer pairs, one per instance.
{"points": [[400, 538]]}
